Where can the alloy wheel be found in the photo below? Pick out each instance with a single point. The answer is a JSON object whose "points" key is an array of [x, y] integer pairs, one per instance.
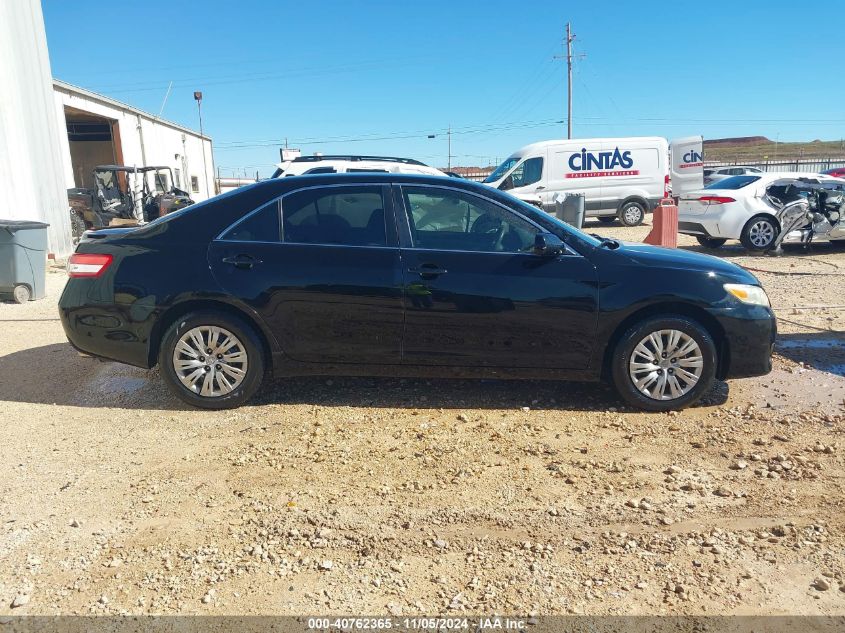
{"points": [[210, 361], [666, 365], [761, 233]]}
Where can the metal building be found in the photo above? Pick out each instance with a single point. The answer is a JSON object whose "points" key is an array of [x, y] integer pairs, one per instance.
{"points": [[103, 131], [53, 134]]}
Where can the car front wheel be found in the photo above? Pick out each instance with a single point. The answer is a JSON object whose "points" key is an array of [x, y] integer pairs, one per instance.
{"points": [[212, 360], [664, 363], [632, 214]]}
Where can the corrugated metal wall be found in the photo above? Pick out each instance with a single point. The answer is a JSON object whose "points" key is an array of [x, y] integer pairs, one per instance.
{"points": [[32, 170]]}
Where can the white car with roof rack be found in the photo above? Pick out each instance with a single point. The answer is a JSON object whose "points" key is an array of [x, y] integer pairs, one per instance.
{"points": [[349, 163]]}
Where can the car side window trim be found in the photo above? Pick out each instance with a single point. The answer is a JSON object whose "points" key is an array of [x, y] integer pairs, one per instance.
{"points": [[241, 220], [406, 235], [387, 199]]}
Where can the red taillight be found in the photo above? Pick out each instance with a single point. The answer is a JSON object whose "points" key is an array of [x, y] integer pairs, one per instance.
{"points": [[716, 199], [88, 264], [666, 186]]}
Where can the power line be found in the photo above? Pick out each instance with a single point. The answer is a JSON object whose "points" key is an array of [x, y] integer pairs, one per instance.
{"points": [[234, 145]]}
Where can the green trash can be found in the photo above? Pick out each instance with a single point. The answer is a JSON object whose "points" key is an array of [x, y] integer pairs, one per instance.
{"points": [[23, 259]]}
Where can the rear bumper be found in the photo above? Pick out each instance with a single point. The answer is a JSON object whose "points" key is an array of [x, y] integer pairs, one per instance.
{"points": [[750, 334], [106, 330], [692, 228]]}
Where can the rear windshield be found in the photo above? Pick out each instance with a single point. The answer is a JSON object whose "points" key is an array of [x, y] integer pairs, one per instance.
{"points": [[734, 182]]}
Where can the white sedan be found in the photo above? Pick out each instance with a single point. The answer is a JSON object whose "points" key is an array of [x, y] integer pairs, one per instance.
{"points": [[736, 209]]}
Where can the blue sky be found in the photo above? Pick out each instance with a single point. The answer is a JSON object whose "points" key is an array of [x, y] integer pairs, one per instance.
{"points": [[347, 76]]}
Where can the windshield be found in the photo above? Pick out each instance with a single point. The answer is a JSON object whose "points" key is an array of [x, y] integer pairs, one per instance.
{"points": [[734, 182], [502, 169]]}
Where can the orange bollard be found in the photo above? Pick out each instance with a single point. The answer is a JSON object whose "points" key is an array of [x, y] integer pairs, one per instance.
{"points": [[664, 230]]}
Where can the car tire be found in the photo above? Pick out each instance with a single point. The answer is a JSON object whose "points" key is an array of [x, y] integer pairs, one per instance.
{"points": [[234, 375], [607, 219], [711, 242], [652, 390], [759, 233], [631, 213]]}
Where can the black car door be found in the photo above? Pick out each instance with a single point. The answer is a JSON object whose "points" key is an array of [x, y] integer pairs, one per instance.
{"points": [[321, 268], [476, 295]]}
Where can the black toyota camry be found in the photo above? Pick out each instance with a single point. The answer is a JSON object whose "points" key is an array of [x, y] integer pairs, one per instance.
{"points": [[401, 275]]}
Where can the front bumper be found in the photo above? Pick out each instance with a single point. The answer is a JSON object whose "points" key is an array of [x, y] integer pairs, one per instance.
{"points": [[750, 333]]}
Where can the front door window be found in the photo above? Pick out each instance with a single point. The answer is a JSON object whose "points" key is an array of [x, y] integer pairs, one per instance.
{"points": [[444, 219]]}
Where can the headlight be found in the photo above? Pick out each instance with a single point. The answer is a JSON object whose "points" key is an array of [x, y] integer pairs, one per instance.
{"points": [[752, 295]]}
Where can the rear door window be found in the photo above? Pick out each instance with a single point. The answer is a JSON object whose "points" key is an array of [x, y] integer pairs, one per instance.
{"points": [[351, 216], [261, 225]]}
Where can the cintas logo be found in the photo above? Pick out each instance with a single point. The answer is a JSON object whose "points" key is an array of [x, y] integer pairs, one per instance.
{"points": [[691, 159], [592, 164], [602, 160]]}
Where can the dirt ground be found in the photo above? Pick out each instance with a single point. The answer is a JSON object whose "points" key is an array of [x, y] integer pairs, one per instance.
{"points": [[364, 496]]}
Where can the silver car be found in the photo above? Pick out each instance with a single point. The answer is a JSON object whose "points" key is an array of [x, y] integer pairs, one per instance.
{"points": [[715, 174]]}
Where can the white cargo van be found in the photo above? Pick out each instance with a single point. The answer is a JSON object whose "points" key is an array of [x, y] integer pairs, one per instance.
{"points": [[619, 177]]}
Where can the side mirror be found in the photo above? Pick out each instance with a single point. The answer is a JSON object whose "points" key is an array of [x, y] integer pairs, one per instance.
{"points": [[547, 245]]}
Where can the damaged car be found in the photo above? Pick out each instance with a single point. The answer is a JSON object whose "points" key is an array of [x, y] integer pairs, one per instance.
{"points": [[746, 208]]}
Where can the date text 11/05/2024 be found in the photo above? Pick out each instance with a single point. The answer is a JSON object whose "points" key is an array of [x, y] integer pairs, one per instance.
{"points": [[495, 623]]}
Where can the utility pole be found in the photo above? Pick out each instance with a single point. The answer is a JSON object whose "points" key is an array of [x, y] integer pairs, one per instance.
{"points": [[569, 57], [198, 99], [449, 135], [569, 38]]}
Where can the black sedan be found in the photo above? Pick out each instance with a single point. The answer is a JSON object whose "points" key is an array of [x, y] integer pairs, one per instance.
{"points": [[401, 275]]}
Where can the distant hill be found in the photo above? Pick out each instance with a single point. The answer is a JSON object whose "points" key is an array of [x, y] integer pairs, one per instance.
{"points": [[759, 148]]}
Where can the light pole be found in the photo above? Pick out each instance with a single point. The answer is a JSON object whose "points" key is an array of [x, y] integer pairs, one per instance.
{"points": [[449, 146], [198, 99]]}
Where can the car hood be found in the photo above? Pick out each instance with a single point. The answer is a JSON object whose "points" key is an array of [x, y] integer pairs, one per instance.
{"points": [[679, 259]]}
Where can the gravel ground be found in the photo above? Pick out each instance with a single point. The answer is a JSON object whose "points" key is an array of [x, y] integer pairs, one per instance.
{"points": [[402, 496]]}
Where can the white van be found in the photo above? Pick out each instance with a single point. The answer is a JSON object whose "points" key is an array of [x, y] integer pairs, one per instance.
{"points": [[619, 177]]}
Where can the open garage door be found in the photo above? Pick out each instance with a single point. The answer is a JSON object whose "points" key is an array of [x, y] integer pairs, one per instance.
{"points": [[93, 141]]}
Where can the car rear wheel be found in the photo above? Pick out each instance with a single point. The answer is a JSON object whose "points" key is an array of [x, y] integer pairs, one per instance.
{"points": [[632, 214], [711, 242], [759, 233], [664, 363], [212, 360]]}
